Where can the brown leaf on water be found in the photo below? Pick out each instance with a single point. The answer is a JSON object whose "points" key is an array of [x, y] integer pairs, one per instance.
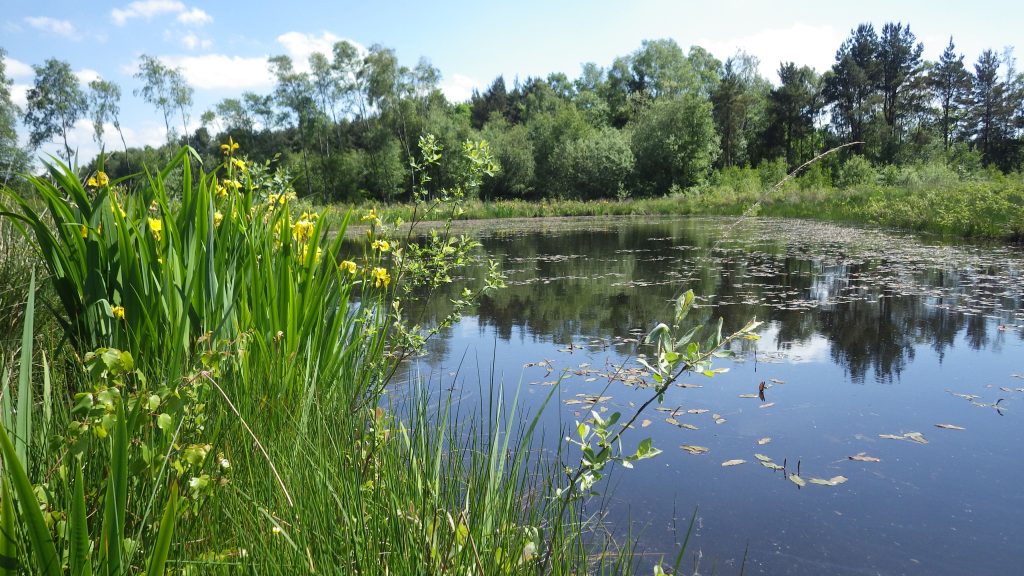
{"points": [[916, 437], [833, 481], [688, 426], [891, 437], [645, 423], [768, 405], [764, 441], [696, 410], [747, 396], [695, 449], [950, 427], [863, 457], [762, 458], [735, 462], [571, 402], [672, 421], [797, 480]]}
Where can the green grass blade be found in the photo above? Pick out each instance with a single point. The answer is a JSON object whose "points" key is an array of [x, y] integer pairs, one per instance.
{"points": [[117, 493], [8, 542], [79, 528], [158, 560], [23, 422], [41, 543]]}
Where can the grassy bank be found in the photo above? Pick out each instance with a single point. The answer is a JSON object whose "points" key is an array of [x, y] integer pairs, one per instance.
{"points": [[926, 198]]}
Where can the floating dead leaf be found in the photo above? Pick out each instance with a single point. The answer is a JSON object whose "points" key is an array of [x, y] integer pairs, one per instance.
{"points": [[690, 385], [916, 437], [777, 381], [912, 436], [697, 410], [950, 427], [833, 481], [772, 465], [763, 441], [747, 396], [863, 457], [762, 458], [735, 462], [688, 426], [768, 405], [719, 420], [672, 421], [645, 423], [591, 379], [571, 402], [795, 479], [695, 449]]}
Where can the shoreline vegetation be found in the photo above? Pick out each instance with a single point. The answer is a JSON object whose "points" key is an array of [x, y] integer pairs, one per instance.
{"points": [[933, 201]]}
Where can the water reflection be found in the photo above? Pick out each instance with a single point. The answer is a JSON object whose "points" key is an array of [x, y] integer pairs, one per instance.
{"points": [[940, 327], [875, 298]]}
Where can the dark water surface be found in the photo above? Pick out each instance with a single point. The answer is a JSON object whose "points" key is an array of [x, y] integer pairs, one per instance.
{"points": [[866, 333]]}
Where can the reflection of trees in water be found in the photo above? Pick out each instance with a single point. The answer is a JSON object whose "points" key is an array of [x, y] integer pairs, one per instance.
{"points": [[581, 284]]}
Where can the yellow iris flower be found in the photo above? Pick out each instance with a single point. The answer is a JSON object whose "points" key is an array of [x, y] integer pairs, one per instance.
{"points": [[118, 312], [347, 266], [380, 277], [230, 147], [156, 226]]}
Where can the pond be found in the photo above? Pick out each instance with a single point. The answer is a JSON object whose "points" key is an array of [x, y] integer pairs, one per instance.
{"points": [[891, 361]]}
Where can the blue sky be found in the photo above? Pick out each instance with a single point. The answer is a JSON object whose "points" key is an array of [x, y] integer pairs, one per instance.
{"points": [[222, 46]]}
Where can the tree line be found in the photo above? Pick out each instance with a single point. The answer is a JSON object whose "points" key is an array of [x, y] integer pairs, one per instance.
{"points": [[657, 120]]}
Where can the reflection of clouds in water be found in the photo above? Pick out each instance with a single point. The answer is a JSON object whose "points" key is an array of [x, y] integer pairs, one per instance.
{"points": [[814, 349]]}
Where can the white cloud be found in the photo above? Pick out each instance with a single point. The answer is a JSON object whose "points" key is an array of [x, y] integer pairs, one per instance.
{"points": [[194, 17], [219, 71], [458, 88], [301, 46], [146, 9], [17, 69], [53, 26], [190, 41], [813, 46], [86, 75], [19, 95]]}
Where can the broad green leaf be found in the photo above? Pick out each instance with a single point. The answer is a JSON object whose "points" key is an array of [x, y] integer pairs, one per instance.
{"points": [[41, 544]]}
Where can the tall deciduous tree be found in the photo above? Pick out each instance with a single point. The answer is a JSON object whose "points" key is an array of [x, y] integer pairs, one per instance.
{"points": [[105, 106], [166, 89], [951, 83], [55, 103], [675, 143]]}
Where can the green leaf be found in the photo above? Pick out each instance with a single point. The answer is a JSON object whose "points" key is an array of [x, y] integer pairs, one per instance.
{"points": [[23, 423], [158, 560], [8, 544], [79, 527], [41, 543]]}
